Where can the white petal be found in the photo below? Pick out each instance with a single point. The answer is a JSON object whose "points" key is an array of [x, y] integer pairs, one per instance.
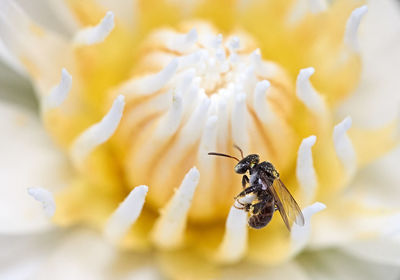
{"points": [[53, 15], [23, 255], [247, 270], [378, 183], [333, 265], [82, 255], [9, 58], [126, 214], [16, 88], [376, 101], [61, 15], [301, 234], [384, 250], [28, 159]]}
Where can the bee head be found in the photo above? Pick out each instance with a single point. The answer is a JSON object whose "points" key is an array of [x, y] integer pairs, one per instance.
{"points": [[246, 163]]}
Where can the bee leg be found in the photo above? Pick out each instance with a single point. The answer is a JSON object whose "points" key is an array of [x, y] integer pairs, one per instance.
{"points": [[245, 207], [256, 207], [247, 191], [245, 181]]}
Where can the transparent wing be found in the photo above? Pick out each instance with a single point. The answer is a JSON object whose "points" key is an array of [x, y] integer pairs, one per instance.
{"points": [[287, 206]]}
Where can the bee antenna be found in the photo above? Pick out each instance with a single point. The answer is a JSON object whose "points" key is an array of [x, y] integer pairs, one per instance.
{"points": [[222, 155], [240, 150]]}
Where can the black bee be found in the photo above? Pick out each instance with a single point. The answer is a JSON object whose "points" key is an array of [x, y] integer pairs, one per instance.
{"points": [[269, 191]]}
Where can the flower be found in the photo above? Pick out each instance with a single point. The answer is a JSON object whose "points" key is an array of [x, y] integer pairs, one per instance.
{"points": [[143, 99]]}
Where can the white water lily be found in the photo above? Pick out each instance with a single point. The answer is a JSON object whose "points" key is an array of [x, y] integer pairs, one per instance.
{"points": [[109, 177]]}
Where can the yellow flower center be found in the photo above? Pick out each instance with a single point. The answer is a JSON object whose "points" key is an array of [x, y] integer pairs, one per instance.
{"points": [[205, 94]]}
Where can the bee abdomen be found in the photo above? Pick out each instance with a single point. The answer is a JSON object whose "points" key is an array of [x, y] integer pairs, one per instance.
{"points": [[259, 221], [263, 218]]}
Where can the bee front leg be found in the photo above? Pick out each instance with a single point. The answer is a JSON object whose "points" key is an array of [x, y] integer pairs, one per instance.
{"points": [[245, 181], [246, 207]]}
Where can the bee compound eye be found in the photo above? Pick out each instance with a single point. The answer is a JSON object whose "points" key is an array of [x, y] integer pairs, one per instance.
{"points": [[241, 168]]}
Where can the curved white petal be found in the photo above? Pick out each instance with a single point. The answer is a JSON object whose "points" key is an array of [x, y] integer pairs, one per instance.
{"points": [[28, 158]]}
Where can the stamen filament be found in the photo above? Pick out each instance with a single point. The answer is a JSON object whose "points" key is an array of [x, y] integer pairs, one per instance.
{"points": [[234, 243], [96, 34], [343, 146], [181, 43], [126, 214], [238, 121], [45, 198], [307, 94], [60, 92], [305, 171], [98, 133], [300, 235], [353, 23], [260, 103], [168, 231], [152, 83]]}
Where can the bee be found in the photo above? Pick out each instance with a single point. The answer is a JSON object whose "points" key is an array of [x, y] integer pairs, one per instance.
{"points": [[269, 191]]}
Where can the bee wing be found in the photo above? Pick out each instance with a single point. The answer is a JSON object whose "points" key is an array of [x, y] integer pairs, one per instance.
{"points": [[287, 206]]}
